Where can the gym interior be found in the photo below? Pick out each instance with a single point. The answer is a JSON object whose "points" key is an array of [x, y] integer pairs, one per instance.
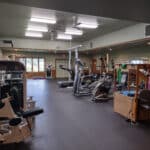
{"points": [[74, 75]]}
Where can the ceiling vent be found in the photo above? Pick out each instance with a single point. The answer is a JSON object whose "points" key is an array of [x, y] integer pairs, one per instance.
{"points": [[6, 43], [147, 30], [91, 44]]}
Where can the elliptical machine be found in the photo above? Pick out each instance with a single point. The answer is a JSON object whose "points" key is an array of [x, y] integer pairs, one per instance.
{"points": [[83, 84], [102, 91], [80, 89]]}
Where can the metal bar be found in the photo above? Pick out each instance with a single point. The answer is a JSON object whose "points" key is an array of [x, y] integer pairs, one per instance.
{"points": [[69, 64], [75, 47]]}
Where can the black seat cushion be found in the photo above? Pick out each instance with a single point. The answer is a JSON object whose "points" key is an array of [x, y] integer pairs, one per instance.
{"points": [[144, 99], [144, 96], [15, 121]]}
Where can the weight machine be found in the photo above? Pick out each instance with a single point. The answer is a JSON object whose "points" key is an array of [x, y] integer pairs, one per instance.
{"points": [[16, 113]]}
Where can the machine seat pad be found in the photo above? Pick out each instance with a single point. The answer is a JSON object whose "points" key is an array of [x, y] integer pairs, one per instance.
{"points": [[15, 121], [31, 113]]}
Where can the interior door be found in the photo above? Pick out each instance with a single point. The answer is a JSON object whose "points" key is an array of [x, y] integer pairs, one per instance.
{"points": [[93, 66]]}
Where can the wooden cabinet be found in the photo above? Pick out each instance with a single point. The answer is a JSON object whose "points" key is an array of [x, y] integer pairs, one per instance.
{"points": [[124, 105], [127, 106]]}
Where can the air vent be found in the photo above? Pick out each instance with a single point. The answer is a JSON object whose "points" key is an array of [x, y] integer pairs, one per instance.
{"points": [[6, 43], [147, 30], [91, 44]]}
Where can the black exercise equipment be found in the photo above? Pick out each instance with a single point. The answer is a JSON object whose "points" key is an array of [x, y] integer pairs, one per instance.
{"points": [[16, 113], [69, 83], [30, 113], [15, 121]]}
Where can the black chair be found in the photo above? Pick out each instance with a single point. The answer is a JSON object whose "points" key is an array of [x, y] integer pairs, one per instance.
{"points": [[144, 100]]}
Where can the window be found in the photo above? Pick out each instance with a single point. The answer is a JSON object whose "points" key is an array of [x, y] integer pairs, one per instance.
{"points": [[41, 64], [137, 62], [29, 64], [33, 64], [23, 60]]}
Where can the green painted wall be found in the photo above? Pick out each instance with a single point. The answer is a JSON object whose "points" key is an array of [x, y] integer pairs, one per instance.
{"points": [[126, 54]]}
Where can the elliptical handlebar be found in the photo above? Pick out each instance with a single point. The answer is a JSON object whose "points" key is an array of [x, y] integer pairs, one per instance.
{"points": [[78, 61], [71, 71], [67, 69], [62, 67]]}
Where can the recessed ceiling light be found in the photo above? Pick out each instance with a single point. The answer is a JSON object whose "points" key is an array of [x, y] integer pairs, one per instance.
{"points": [[73, 31], [87, 25], [44, 20], [34, 34], [37, 28], [64, 37]]}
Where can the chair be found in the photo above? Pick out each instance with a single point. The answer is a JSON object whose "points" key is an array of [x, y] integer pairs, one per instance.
{"points": [[144, 105], [144, 99]]}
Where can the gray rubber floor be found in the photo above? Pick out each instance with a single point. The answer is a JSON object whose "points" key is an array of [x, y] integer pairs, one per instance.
{"points": [[71, 123]]}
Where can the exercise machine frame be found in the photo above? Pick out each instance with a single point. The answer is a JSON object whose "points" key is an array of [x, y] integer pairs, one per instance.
{"points": [[16, 113]]}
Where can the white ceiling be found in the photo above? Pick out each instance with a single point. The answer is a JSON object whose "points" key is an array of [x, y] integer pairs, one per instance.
{"points": [[14, 20]]}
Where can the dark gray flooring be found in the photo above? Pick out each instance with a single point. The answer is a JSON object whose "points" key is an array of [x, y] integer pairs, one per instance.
{"points": [[71, 123]]}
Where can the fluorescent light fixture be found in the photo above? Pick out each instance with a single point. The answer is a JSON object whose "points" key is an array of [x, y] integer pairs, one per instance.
{"points": [[88, 25], [43, 20], [73, 31], [37, 28], [34, 34], [64, 37]]}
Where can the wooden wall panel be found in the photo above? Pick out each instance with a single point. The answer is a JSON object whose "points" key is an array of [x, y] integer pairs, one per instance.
{"points": [[31, 75]]}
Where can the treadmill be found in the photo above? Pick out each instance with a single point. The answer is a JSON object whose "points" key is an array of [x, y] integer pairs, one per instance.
{"points": [[69, 83]]}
